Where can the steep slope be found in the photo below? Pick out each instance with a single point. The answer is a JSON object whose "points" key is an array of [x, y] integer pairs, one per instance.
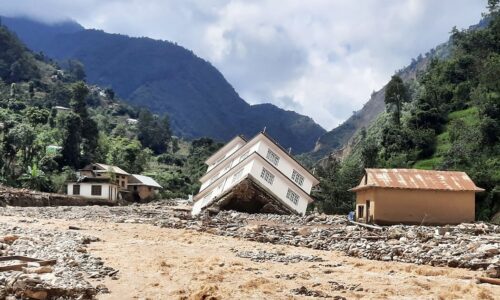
{"points": [[339, 137], [167, 78]]}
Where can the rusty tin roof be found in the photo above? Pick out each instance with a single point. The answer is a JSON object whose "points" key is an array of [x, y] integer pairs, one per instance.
{"points": [[417, 179]]}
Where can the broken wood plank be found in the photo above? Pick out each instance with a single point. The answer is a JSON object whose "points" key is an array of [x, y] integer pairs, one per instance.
{"points": [[367, 225], [489, 280], [19, 267]]}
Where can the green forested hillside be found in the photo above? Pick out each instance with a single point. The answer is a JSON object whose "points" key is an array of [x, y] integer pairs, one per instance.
{"points": [[167, 79], [41, 145], [339, 137], [447, 119]]}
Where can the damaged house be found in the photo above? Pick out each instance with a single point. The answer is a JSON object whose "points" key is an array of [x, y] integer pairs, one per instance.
{"points": [[256, 176]]}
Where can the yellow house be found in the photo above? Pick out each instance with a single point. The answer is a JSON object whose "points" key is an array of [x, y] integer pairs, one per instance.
{"points": [[410, 196]]}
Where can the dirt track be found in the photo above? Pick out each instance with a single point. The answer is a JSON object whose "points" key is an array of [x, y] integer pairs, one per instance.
{"points": [[161, 263]]}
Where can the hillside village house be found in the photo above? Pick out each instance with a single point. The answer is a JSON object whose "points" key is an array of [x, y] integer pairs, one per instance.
{"points": [[101, 181], [255, 176], [410, 196]]}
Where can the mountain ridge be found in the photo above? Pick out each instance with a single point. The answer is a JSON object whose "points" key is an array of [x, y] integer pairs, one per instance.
{"points": [[168, 78]]}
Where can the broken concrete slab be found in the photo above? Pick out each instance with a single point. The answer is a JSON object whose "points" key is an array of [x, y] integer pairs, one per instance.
{"points": [[249, 196]]}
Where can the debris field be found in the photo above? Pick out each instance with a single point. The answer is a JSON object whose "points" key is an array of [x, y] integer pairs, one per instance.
{"points": [[472, 246]]}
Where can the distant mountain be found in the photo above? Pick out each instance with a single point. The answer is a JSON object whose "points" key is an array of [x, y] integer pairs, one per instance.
{"points": [[166, 78]]}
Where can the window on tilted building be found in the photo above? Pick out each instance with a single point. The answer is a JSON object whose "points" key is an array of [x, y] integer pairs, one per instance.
{"points": [[292, 196], [272, 157], [299, 179], [267, 176]]}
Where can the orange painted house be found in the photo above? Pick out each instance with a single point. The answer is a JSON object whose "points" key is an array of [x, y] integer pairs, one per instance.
{"points": [[410, 196]]}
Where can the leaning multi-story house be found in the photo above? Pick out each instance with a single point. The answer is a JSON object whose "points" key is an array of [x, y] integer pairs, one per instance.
{"points": [[255, 176]]}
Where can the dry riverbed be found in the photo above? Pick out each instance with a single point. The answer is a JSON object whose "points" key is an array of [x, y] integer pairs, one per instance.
{"points": [[166, 263]]}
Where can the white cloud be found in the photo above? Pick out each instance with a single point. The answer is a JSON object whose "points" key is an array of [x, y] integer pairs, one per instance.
{"points": [[322, 58]]}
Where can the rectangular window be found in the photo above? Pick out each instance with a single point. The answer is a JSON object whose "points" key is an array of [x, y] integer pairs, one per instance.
{"points": [[273, 157], [361, 209], [299, 179], [267, 176], [76, 189], [237, 175], [292, 196], [96, 190]]}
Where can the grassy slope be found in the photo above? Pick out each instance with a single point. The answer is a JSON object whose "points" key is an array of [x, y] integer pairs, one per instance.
{"points": [[469, 116]]}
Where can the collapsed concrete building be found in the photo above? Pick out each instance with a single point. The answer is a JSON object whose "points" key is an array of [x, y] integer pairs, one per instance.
{"points": [[256, 176]]}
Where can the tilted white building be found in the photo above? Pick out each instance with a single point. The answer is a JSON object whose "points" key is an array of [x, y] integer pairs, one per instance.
{"points": [[255, 176]]}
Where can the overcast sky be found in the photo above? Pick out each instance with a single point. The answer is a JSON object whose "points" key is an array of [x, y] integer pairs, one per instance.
{"points": [[321, 58]]}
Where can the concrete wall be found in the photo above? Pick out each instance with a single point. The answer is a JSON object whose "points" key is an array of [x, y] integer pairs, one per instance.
{"points": [[120, 180], [285, 164], [108, 191], [227, 165], [390, 206], [145, 192], [226, 153], [221, 185], [280, 186], [261, 145]]}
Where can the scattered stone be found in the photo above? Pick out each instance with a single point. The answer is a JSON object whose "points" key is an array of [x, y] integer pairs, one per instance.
{"points": [[264, 256], [303, 291], [473, 246], [64, 280]]}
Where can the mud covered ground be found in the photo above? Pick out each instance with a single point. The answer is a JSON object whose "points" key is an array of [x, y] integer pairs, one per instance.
{"points": [[168, 263]]}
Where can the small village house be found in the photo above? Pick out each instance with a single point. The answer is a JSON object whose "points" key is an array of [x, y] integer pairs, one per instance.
{"points": [[101, 181], [257, 175], [62, 109], [142, 188], [131, 121], [410, 196]]}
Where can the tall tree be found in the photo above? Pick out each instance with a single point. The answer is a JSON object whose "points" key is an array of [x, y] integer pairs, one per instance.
{"points": [[89, 130], [154, 132], [395, 94], [72, 124]]}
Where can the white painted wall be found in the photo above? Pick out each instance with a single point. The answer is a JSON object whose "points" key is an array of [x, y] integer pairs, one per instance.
{"points": [[254, 166], [218, 178], [285, 164], [221, 185], [280, 186], [223, 155], [86, 190], [227, 165]]}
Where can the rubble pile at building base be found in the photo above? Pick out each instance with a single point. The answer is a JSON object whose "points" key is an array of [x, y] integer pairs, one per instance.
{"points": [[473, 246], [66, 279], [249, 196]]}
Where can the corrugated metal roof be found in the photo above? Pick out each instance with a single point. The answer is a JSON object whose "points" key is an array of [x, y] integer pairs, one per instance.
{"points": [[115, 169], [417, 179], [144, 180]]}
